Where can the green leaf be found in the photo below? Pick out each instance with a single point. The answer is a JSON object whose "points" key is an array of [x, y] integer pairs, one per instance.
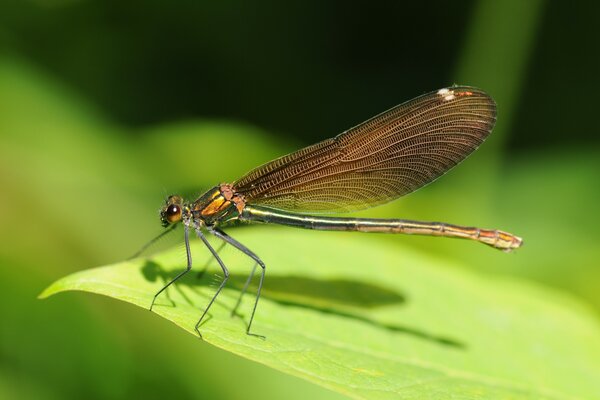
{"points": [[373, 319]]}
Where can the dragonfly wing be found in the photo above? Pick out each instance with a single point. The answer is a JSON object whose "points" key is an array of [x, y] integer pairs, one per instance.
{"points": [[388, 156]]}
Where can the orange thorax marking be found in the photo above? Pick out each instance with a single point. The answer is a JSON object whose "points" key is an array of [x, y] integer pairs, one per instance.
{"points": [[217, 204]]}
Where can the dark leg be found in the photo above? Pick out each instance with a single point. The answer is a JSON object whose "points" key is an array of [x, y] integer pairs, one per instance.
{"points": [[245, 288], [150, 243], [187, 269], [239, 300], [225, 278], [201, 273], [222, 235]]}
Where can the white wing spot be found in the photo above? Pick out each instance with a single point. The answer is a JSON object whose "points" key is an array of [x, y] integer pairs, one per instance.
{"points": [[447, 94]]}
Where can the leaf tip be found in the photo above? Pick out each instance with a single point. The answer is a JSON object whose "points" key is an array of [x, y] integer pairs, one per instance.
{"points": [[49, 291]]}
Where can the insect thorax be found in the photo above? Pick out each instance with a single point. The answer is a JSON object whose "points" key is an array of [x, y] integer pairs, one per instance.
{"points": [[218, 205]]}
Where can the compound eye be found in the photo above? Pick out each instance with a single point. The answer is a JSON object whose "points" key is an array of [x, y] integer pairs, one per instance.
{"points": [[173, 213]]}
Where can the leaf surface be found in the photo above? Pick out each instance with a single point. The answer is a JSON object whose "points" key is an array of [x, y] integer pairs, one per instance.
{"points": [[373, 319]]}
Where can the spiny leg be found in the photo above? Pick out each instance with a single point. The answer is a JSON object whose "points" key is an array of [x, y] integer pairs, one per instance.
{"points": [[222, 235], [187, 269], [225, 278], [246, 284], [207, 264], [244, 289]]}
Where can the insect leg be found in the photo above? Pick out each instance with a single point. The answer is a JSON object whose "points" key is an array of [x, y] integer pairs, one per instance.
{"points": [[187, 269], [225, 278], [203, 271], [151, 242], [244, 289], [222, 235]]}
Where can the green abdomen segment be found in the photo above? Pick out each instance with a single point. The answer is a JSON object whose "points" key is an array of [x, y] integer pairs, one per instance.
{"points": [[495, 238]]}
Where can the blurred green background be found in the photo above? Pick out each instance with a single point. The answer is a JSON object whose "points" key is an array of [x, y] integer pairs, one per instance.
{"points": [[106, 107]]}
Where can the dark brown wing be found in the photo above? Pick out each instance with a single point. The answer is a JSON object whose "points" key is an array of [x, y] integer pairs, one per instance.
{"points": [[386, 157]]}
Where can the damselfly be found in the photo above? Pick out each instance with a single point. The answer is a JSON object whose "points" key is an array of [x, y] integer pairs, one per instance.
{"points": [[386, 157]]}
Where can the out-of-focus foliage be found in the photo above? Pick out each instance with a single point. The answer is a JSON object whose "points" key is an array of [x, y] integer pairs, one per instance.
{"points": [[107, 107]]}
